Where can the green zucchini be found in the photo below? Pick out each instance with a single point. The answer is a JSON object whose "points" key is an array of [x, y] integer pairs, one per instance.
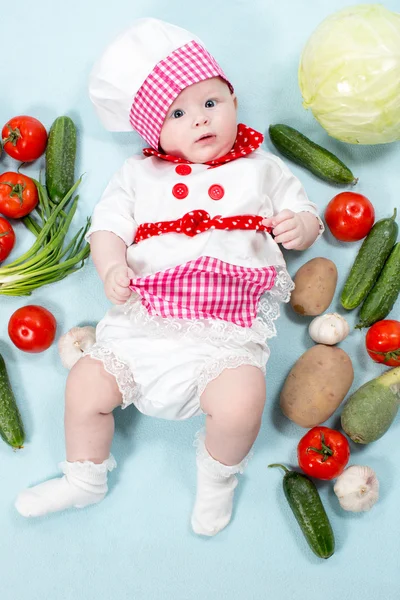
{"points": [[11, 427], [301, 150], [370, 410], [60, 158], [369, 262], [380, 300], [305, 502]]}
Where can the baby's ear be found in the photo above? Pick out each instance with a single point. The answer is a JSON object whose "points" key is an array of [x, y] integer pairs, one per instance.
{"points": [[235, 100]]}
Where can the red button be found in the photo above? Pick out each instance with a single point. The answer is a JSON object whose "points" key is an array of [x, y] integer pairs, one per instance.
{"points": [[180, 191], [216, 192], [183, 169]]}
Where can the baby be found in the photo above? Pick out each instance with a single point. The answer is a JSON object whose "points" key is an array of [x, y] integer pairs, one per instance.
{"points": [[185, 240]]}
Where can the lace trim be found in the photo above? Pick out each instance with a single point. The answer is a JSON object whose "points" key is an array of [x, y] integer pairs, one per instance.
{"points": [[129, 389], [212, 466], [215, 330], [215, 368], [269, 310], [87, 471]]}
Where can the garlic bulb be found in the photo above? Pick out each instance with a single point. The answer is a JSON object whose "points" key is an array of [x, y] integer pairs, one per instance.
{"points": [[72, 344], [328, 329], [357, 488]]}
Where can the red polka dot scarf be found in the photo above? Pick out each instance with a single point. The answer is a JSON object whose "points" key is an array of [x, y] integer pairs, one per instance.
{"points": [[247, 140]]}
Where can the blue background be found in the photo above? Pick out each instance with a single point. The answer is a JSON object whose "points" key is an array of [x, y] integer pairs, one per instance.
{"points": [[138, 543]]}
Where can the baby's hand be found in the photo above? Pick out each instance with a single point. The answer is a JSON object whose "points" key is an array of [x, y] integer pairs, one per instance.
{"points": [[116, 283], [295, 231]]}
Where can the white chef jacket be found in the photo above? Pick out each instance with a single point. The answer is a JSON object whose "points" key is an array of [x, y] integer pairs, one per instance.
{"points": [[142, 192]]}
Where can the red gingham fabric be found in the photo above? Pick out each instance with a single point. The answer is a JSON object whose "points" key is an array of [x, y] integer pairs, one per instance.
{"points": [[188, 64], [247, 140], [205, 288], [198, 221]]}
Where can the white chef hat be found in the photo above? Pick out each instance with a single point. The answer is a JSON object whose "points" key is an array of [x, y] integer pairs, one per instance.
{"points": [[142, 71]]}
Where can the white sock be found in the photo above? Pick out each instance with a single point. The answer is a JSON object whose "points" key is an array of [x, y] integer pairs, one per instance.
{"points": [[216, 484], [214, 500], [83, 483]]}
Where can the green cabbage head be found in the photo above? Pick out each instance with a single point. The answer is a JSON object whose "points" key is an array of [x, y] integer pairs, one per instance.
{"points": [[349, 74]]}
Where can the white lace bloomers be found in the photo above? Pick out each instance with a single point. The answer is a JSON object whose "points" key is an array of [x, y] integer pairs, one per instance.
{"points": [[162, 365]]}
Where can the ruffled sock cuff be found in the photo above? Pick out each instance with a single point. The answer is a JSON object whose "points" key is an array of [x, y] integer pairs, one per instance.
{"points": [[215, 469], [88, 472]]}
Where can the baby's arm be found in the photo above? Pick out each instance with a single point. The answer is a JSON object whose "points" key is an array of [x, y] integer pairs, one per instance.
{"points": [[109, 256], [112, 231], [295, 222]]}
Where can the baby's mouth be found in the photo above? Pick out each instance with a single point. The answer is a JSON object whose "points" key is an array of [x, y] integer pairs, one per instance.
{"points": [[206, 137]]}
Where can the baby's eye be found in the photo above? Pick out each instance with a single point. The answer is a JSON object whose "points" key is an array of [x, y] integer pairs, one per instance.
{"points": [[210, 103], [177, 113]]}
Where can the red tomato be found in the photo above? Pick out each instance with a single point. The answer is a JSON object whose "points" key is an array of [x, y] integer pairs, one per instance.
{"points": [[349, 216], [24, 138], [18, 195], [32, 328], [323, 453], [7, 238], [383, 342]]}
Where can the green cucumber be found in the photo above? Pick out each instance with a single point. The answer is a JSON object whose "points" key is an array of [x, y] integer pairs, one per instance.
{"points": [[11, 427], [380, 300], [370, 410], [301, 150], [305, 502], [60, 158], [369, 262]]}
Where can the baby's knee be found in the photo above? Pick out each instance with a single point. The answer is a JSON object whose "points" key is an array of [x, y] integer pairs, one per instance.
{"points": [[245, 415], [84, 370], [90, 387], [236, 399], [241, 415]]}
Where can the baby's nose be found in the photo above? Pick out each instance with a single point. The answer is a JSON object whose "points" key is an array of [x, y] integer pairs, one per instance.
{"points": [[202, 120]]}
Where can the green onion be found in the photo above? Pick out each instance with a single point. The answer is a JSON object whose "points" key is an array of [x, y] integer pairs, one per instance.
{"points": [[42, 263]]}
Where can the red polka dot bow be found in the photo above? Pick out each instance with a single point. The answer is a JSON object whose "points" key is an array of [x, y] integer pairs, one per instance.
{"points": [[198, 221]]}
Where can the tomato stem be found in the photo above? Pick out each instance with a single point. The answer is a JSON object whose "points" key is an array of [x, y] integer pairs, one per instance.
{"points": [[391, 354], [325, 450], [13, 136], [16, 190]]}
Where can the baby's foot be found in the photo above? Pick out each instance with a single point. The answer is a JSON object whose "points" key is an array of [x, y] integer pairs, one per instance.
{"points": [[213, 507], [84, 483], [52, 496]]}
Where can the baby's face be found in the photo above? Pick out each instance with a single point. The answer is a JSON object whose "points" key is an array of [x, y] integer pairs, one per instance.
{"points": [[201, 123]]}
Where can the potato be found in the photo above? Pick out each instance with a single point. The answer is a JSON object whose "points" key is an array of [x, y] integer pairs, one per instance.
{"points": [[316, 385], [315, 284]]}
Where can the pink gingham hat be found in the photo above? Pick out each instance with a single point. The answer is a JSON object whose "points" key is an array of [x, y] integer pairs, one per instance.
{"points": [[142, 71]]}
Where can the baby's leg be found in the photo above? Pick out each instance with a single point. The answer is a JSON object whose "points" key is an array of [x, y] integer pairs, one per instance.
{"points": [[91, 395], [234, 404]]}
